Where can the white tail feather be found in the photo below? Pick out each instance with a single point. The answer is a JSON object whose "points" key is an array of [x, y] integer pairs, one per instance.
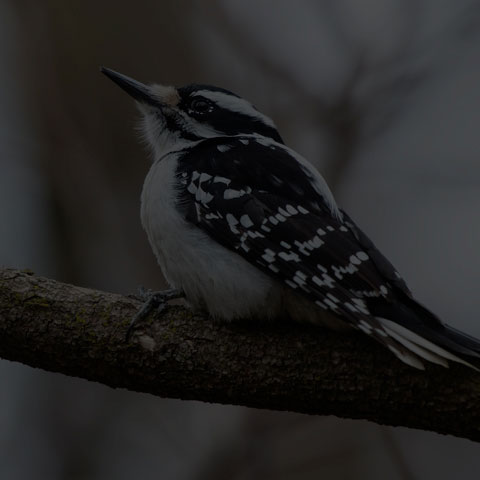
{"points": [[421, 352], [419, 345], [407, 357]]}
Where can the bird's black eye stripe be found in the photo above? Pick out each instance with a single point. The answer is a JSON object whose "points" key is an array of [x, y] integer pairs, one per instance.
{"points": [[201, 106]]}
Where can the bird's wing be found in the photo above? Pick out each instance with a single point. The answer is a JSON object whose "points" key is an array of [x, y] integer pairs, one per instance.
{"points": [[260, 200], [261, 203]]}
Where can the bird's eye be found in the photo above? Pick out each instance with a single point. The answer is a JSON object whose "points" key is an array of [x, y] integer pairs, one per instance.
{"points": [[201, 106]]}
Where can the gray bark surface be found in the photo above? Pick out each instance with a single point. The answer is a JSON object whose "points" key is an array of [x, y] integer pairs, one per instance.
{"points": [[178, 354]]}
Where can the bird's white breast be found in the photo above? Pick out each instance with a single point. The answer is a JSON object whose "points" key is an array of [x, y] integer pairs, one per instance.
{"points": [[211, 276]]}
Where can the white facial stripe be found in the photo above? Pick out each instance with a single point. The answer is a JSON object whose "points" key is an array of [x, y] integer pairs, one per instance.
{"points": [[235, 104]]}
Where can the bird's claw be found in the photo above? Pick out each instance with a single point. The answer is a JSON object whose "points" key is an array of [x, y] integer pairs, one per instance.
{"points": [[152, 300]]}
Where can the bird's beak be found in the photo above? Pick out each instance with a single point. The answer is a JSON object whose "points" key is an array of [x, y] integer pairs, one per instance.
{"points": [[137, 90]]}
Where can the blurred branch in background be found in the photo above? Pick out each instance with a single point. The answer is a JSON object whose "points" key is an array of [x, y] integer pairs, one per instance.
{"points": [[366, 97], [81, 332]]}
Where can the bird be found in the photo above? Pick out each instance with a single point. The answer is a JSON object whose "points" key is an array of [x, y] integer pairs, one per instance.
{"points": [[244, 227]]}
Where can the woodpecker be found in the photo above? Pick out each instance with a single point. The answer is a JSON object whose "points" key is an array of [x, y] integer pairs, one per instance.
{"points": [[245, 227]]}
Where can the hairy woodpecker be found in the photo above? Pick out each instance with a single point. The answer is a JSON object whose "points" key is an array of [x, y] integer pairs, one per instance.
{"points": [[245, 227]]}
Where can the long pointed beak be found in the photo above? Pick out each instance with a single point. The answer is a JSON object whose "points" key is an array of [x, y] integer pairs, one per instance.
{"points": [[137, 90]]}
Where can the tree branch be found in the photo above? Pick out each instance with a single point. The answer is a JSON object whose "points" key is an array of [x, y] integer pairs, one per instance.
{"points": [[81, 332]]}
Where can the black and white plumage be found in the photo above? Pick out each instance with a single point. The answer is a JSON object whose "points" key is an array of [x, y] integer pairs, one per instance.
{"points": [[246, 227]]}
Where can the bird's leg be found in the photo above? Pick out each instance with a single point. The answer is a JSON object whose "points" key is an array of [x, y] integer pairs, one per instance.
{"points": [[153, 300]]}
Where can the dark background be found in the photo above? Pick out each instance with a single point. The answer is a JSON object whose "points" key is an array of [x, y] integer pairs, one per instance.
{"points": [[382, 95]]}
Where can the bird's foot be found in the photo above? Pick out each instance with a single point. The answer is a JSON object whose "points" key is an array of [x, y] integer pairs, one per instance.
{"points": [[152, 301]]}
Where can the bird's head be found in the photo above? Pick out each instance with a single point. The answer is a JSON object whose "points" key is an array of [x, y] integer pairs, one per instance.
{"points": [[174, 117]]}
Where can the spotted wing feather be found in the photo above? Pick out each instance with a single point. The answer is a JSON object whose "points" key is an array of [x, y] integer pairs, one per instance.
{"points": [[284, 228], [261, 203]]}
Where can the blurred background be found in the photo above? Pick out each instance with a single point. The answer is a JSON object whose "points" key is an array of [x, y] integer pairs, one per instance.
{"points": [[382, 95]]}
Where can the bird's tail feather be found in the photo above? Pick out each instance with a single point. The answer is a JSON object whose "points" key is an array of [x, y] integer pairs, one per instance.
{"points": [[417, 334], [417, 348], [463, 339]]}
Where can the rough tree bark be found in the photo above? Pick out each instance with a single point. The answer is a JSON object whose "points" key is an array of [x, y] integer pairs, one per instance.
{"points": [[81, 332]]}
